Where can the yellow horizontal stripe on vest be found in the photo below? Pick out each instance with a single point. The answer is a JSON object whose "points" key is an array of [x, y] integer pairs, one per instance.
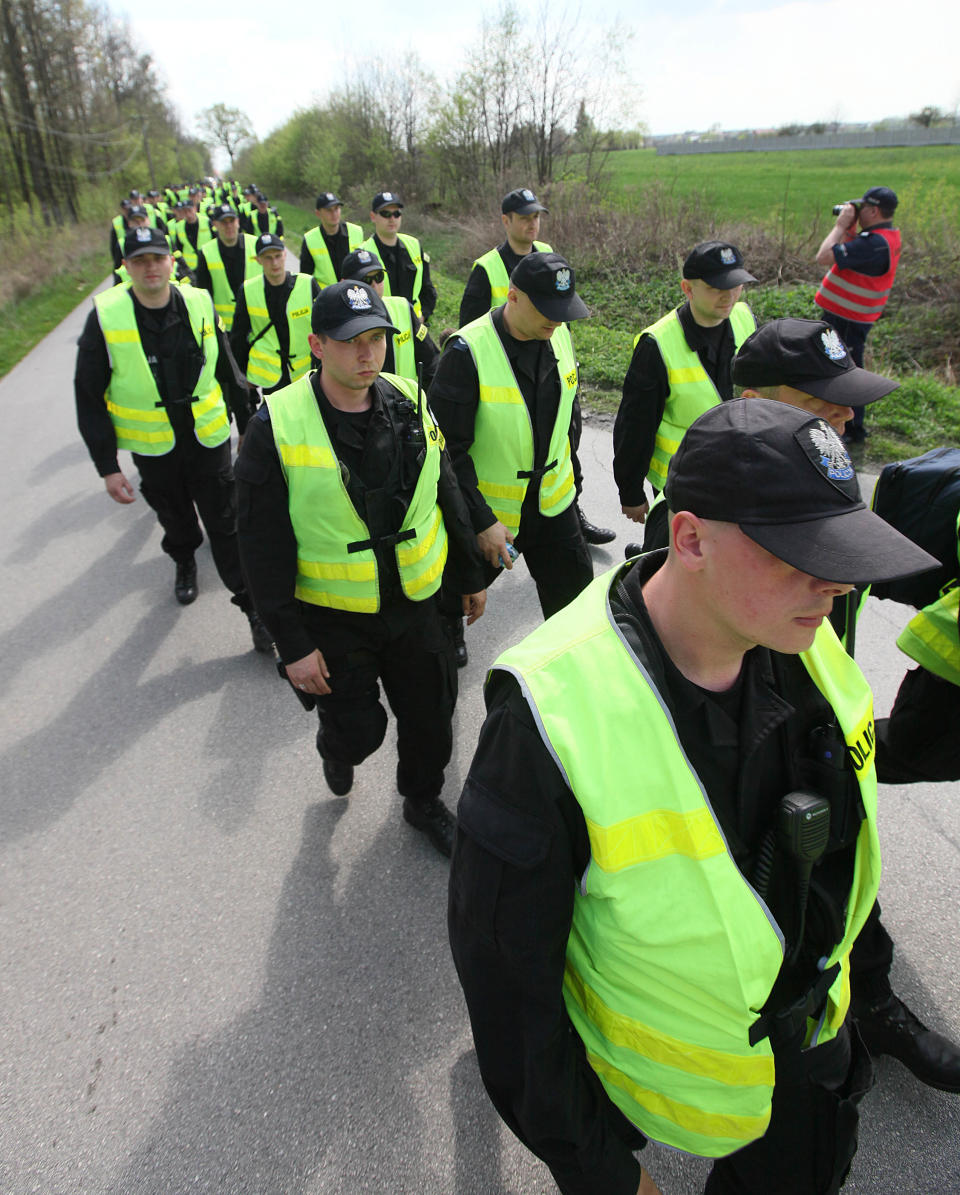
{"points": [[421, 582], [208, 403], [560, 493], [695, 373], [665, 445], [410, 551], [655, 835], [315, 456], [336, 601], [713, 1125], [734, 1070], [491, 489], [261, 311], [361, 571], [138, 416], [506, 394], [122, 336]]}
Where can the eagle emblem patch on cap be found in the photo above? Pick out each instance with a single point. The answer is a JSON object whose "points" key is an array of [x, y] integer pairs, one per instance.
{"points": [[528, 195], [562, 280], [364, 255], [387, 197], [358, 298], [728, 257], [833, 345], [144, 234], [831, 454]]}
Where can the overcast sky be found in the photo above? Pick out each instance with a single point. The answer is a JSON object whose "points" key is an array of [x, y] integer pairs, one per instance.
{"points": [[736, 63]]}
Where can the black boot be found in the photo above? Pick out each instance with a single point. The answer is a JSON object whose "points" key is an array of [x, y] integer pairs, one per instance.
{"points": [[455, 626], [632, 550], [891, 1028], [591, 533], [185, 586], [339, 776], [262, 639], [435, 820]]}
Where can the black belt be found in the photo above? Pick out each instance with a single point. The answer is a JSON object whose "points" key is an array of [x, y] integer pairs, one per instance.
{"points": [[525, 474], [787, 1022], [388, 541]]}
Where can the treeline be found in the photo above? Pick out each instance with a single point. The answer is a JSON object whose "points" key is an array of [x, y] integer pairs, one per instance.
{"points": [[80, 106], [534, 102]]}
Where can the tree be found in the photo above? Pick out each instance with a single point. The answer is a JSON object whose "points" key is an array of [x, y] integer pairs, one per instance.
{"points": [[223, 127], [927, 116]]}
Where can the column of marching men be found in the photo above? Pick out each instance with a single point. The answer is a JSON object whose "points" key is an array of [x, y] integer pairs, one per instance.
{"points": [[359, 530]]}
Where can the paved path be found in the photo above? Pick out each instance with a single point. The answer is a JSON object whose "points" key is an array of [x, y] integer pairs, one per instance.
{"points": [[218, 977]]}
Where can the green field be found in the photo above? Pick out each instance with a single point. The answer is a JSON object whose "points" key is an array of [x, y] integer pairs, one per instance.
{"points": [[758, 188]]}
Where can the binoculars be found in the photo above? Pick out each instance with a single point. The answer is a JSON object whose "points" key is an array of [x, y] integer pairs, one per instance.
{"points": [[837, 207]]}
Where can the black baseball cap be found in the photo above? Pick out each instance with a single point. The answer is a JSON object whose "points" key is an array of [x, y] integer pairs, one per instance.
{"points": [[328, 199], [787, 481], [385, 199], [717, 263], [268, 240], [522, 201], [360, 263], [810, 356], [224, 211], [137, 210], [145, 240], [347, 308], [549, 282], [882, 197]]}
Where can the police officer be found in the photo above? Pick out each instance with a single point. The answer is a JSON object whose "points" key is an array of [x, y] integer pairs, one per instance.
{"points": [[487, 287], [264, 218], [348, 507], [855, 289], [191, 231], [131, 215], [805, 363], [271, 326], [153, 370], [324, 247], [406, 264], [650, 943], [679, 369], [504, 395], [226, 261], [411, 352], [489, 280]]}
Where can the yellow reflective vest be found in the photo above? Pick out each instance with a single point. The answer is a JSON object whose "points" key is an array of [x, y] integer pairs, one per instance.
{"points": [[502, 448], [264, 367], [932, 636], [691, 390], [401, 316], [672, 954], [412, 246], [492, 265], [224, 300], [336, 565], [323, 269], [132, 398]]}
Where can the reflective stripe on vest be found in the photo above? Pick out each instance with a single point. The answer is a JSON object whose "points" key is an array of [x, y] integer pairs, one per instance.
{"points": [[412, 246], [325, 521], [133, 401], [264, 367], [860, 297], [691, 389], [931, 637], [401, 316], [323, 269], [671, 952], [502, 447], [224, 300], [492, 265]]}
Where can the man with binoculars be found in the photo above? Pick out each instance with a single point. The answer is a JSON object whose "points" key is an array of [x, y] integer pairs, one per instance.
{"points": [[862, 265]]}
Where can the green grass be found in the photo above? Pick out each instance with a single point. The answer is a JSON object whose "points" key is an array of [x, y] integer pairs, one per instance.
{"points": [[798, 186], [28, 321]]}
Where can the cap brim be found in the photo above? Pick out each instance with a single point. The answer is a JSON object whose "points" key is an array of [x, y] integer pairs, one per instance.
{"points": [[853, 388], [353, 327], [156, 250], [528, 209], [562, 309], [852, 548], [728, 279]]}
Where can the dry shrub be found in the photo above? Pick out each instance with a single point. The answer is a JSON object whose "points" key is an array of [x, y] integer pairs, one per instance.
{"points": [[35, 255]]}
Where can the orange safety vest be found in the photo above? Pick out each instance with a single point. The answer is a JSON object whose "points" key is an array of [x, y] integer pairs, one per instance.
{"points": [[860, 297]]}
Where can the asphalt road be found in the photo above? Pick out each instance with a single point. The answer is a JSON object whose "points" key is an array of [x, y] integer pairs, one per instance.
{"points": [[218, 977]]}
